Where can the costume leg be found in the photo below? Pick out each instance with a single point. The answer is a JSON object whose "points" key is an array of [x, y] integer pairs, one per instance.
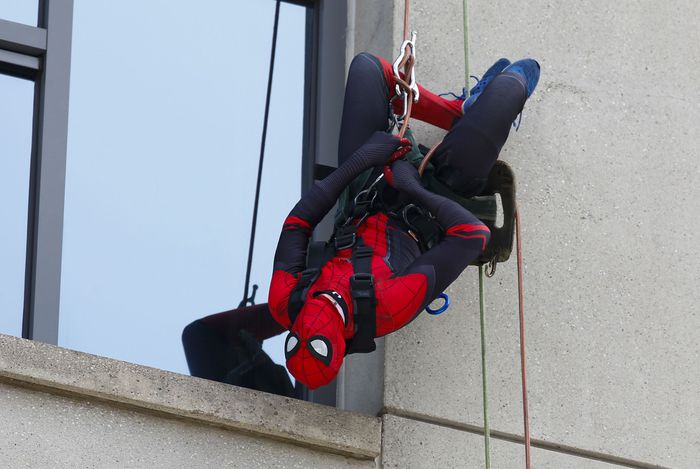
{"points": [[212, 344], [470, 149], [371, 84], [208, 353], [256, 319], [369, 88], [366, 105]]}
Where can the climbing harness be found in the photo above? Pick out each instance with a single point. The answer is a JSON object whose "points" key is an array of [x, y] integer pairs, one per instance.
{"points": [[361, 284], [364, 204], [250, 300], [362, 281]]}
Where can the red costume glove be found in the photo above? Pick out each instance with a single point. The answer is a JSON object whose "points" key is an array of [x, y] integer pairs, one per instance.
{"points": [[405, 147]]}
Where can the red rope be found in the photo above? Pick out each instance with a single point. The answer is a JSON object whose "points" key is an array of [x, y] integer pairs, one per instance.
{"points": [[406, 13], [526, 416]]}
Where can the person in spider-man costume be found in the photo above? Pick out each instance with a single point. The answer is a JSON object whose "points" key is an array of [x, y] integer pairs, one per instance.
{"points": [[227, 346], [405, 279]]}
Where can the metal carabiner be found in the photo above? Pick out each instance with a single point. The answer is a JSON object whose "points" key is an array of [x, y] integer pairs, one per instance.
{"points": [[404, 96], [366, 192], [250, 301], [406, 210], [362, 194], [490, 270], [412, 84], [393, 118]]}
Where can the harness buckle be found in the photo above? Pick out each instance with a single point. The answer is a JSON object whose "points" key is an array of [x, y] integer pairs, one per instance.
{"points": [[345, 240], [362, 286], [405, 214]]}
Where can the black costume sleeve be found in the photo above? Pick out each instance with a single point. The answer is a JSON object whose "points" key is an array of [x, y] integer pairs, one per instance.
{"points": [[315, 204], [465, 235]]}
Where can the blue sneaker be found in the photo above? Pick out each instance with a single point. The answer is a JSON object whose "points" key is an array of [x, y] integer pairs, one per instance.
{"points": [[490, 74], [528, 69]]}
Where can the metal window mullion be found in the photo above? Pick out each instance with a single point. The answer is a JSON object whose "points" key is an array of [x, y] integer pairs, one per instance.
{"points": [[18, 65], [21, 47], [23, 39], [47, 186]]}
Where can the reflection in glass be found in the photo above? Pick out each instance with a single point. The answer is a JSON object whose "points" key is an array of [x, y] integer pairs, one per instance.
{"points": [[17, 98], [163, 144], [20, 11]]}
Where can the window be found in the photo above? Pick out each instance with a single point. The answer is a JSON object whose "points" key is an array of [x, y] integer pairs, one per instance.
{"points": [[17, 96], [166, 114], [20, 11], [166, 111]]}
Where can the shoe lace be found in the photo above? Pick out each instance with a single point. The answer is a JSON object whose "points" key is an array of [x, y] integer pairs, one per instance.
{"points": [[519, 120], [462, 96], [450, 93]]}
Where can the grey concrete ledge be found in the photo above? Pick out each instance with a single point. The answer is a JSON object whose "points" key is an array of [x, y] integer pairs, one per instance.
{"points": [[55, 369]]}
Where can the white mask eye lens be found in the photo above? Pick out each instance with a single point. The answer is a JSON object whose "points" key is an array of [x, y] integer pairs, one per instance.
{"points": [[292, 342], [320, 347]]}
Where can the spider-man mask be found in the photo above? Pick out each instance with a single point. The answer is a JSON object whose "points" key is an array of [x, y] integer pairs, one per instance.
{"points": [[315, 346]]}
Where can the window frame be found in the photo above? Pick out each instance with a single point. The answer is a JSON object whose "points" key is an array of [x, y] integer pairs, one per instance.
{"points": [[42, 54]]}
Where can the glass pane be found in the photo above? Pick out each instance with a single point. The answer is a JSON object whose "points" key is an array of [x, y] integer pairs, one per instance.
{"points": [[163, 147], [20, 11], [17, 97]]}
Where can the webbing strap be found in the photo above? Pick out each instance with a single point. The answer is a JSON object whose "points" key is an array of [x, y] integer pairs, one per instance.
{"points": [[318, 253], [364, 300], [298, 294], [484, 378]]}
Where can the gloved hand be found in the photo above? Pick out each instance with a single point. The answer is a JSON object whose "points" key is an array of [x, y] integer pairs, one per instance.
{"points": [[405, 177], [380, 149]]}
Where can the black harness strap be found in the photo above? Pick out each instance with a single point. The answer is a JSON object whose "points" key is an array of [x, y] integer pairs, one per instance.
{"points": [[318, 253], [364, 299], [361, 283]]}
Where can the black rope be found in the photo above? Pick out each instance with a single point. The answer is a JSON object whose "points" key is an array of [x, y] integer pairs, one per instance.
{"points": [[246, 299]]}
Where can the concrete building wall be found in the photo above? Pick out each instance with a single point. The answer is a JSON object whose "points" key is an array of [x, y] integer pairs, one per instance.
{"points": [[66, 409], [607, 172]]}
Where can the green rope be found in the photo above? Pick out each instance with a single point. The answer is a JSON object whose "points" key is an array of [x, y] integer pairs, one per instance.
{"points": [[465, 14], [482, 305], [482, 317]]}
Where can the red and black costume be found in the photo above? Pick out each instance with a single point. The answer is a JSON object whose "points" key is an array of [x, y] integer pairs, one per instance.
{"points": [[324, 317], [403, 278]]}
